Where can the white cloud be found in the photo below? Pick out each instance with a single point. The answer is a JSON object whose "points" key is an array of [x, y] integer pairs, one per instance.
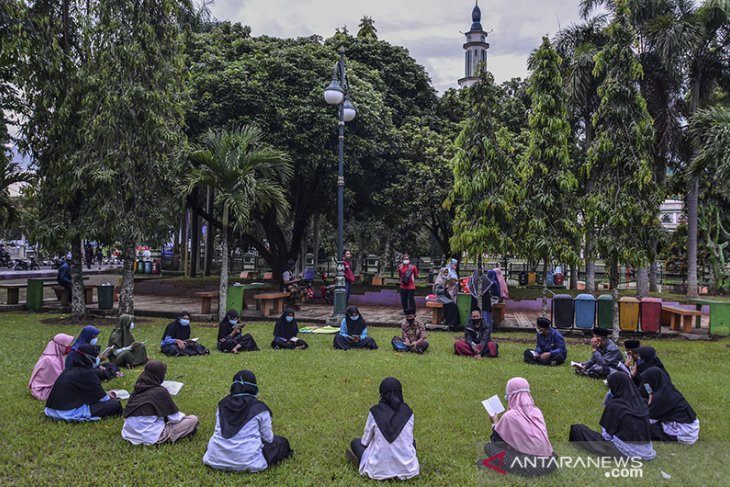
{"points": [[429, 29]]}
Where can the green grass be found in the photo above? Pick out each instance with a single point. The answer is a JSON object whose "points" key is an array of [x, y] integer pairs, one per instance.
{"points": [[320, 400]]}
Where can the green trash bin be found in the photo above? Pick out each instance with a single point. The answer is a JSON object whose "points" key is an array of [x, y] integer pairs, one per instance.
{"points": [[34, 296], [234, 299], [105, 293], [605, 311], [463, 304], [719, 318]]}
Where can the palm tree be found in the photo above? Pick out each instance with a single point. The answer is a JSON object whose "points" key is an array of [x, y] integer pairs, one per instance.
{"points": [[578, 46], [711, 132], [245, 175], [367, 29]]}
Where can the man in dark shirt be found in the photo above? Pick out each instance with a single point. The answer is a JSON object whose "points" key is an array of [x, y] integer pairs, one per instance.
{"points": [[606, 357], [64, 276], [477, 341]]}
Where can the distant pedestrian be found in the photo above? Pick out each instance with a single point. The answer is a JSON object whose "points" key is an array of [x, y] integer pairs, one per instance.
{"points": [[99, 256], [349, 275], [89, 254], [408, 273]]}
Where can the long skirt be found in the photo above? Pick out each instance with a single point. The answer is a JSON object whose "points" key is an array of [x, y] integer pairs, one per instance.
{"points": [[248, 344], [346, 343], [519, 463], [103, 409], [451, 316], [280, 343], [277, 450], [173, 351], [593, 441], [553, 360], [131, 358]]}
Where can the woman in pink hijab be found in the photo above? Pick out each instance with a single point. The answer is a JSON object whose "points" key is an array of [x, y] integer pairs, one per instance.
{"points": [[521, 433], [49, 366]]}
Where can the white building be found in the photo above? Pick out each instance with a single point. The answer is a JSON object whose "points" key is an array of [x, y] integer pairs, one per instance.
{"points": [[475, 49], [671, 214]]}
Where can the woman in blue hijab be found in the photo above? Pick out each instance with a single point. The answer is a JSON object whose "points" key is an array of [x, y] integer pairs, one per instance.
{"points": [[89, 336]]}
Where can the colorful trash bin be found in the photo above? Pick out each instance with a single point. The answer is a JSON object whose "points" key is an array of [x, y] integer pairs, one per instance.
{"points": [[585, 311], [522, 278], [719, 318], [562, 311], [628, 313], [651, 315], [34, 296], [604, 305], [550, 278], [463, 304], [531, 278], [234, 299]]}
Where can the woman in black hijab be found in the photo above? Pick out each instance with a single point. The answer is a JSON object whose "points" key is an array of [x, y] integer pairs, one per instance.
{"points": [[646, 358], [77, 394], [285, 332], [243, 440], [624, 423], [353, 332], [151, 416], [672, 418], [230, 338], [387, 449], [176, 338]]}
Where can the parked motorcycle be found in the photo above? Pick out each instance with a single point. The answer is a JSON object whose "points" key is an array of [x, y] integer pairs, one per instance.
{"points": [[6, 261], [22, 265]]}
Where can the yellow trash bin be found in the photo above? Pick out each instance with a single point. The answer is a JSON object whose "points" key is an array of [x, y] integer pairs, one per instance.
{"points": [[628, 314]]}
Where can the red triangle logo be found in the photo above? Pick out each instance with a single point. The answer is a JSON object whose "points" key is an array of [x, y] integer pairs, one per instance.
{"points": [[499, 456]]}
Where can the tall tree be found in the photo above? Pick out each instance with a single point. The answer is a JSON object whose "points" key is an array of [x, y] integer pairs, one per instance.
{"points": [[548, 185], [367, 31], [482, 197], [626, 196], [133, 118], [246, 176]]}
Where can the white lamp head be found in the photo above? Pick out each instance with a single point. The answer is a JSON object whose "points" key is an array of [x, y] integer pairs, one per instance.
{"points": [[348, 110], [334, 94]]}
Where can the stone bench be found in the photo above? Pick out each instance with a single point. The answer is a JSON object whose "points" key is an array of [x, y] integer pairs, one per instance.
{"points": [[437, 310], [272, 302], [677, 318], [63, 296], [206, 298]]}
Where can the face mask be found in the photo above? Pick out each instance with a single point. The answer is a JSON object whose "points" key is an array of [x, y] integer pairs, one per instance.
{"points": [[67, 350], [97, 362], [411, 320], [131, 326], [406, 262], [94, 341], [640, 361], [354, 317], [289, 318], [233, 322], [184, 322]]}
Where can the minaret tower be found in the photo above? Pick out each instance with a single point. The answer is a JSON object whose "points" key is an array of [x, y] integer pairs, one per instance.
{"points": [[475, 47]]}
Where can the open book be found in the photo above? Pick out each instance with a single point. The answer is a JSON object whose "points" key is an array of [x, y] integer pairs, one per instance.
{"points": [[105, 352], [172, 387], [194, 339], [121, 394], [577, 364], [129, 347], [534, 353], [294, 339], [493, 405]]}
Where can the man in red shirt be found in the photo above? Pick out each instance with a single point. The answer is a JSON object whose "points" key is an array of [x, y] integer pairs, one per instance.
{"points": [[408, 273], [349, 274]]}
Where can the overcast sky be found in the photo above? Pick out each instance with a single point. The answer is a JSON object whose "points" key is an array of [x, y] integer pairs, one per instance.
{"points": [[429, 29]]}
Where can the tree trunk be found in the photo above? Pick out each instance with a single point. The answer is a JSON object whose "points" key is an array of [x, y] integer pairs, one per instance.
{"points": [[126, 292], [184, 243], [223, 289], [194, 243], [614, 270], [317, 219], [78, 303], [544, 288], [642, 282], [209, 236], [574, 276], [653, 284], [692, 220], [589, 258]]}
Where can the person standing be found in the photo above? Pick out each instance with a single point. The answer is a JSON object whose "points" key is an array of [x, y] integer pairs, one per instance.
{"points": [[349, 275], [413, 335], [550, 348], [408, 273]]}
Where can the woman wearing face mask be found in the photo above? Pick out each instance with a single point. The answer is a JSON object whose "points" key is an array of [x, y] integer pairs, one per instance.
{"points": [[49, 366], [285, 333], [230, 338], [90, 336], [176, 339], [243, 440], [521, 433], [77, 394], [670, 415], [126, 352], [408, 274], [353, 332]]}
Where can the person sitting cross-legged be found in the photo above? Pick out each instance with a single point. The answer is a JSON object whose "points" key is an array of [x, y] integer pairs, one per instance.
{"points": [[286, 331], [606, 357], [353, 332], [550, 349], [477, 341], [176, 339], [413, 335]]}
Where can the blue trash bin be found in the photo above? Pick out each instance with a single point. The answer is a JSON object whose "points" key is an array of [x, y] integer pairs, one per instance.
{"points": [[562, 311], [585, 311], [550, 279]]}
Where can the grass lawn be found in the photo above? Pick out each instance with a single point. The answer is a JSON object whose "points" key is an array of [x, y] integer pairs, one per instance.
{"points": [[320, 400]]}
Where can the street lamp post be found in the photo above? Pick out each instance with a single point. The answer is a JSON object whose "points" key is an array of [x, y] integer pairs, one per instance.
{"points": [[338, 93]]}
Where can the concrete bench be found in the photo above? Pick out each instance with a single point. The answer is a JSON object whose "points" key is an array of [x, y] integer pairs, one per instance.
{"points": [[677, 318], [63, 296], [14, 289], [498, 313], [206, 298], [268, 276], [272, 302]]}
